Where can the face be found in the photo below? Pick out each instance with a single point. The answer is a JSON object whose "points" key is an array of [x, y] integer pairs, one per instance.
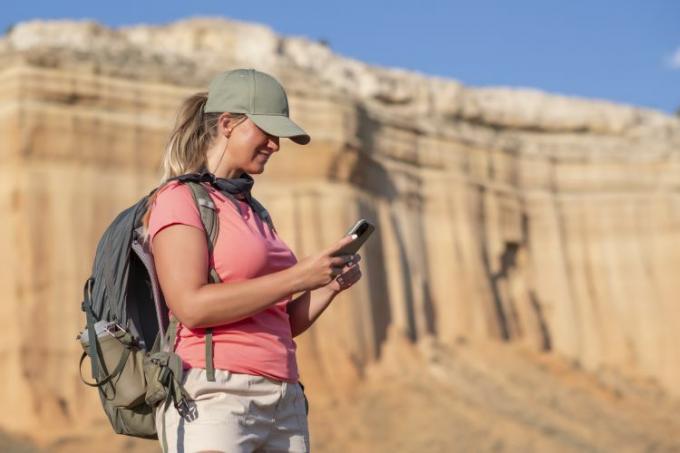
{"points": [[249, 147]]}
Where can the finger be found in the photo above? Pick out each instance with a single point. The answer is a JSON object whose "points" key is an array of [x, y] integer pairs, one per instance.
{"points": [[348, 268], [347, 280], [350, 274], [354, 267], [352, 260], [336, 270], [350, 280], [340, 261], [354, 270], [354, 275]]}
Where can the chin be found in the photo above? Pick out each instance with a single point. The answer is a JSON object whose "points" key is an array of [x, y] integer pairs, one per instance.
{"points": [[256, 170]]}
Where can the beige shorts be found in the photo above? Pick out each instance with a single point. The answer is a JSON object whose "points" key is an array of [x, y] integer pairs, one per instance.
{"points": [[237, 413]]}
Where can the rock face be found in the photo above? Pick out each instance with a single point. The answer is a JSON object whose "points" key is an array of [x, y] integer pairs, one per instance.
{"points": [[509, 215]]}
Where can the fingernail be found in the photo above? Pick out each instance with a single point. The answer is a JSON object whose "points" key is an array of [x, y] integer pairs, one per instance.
{"points": [[354, 236]]}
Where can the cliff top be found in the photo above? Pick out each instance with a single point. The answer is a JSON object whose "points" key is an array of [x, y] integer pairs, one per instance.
{"points": [[190, 52]]}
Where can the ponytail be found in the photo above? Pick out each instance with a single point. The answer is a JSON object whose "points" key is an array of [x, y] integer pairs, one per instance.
{"points": [[186, 151], [194, 131]]}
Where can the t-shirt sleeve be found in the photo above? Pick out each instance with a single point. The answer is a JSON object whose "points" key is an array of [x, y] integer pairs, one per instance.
{"points": [[174, 205]]}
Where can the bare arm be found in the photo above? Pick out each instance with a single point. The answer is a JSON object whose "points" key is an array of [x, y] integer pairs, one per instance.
{"points": [[304, 310], [181, 259]]}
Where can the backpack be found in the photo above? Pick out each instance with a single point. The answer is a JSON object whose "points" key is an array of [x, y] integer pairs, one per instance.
{"points": [[133, 363]]}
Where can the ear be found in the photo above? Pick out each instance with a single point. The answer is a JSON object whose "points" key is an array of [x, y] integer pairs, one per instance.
{"points": [[224, 124]]}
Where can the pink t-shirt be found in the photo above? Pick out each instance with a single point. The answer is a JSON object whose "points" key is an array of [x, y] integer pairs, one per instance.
{"points": [[246, 248]]}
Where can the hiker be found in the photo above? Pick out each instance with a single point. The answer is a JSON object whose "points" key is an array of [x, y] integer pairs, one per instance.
{"points": [[244, 385]]}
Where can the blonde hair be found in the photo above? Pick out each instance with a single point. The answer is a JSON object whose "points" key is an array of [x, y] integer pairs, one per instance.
{"points": [[186, 150]]}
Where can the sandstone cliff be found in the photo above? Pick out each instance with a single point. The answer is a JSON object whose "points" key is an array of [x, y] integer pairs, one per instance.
{"points": [[507, 215]]}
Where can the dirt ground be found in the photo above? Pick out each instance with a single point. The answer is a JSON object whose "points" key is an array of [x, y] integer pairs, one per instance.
{"points": [[468, 398]]}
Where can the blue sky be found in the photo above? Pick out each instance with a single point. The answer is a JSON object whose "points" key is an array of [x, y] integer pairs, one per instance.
{"points": [[620, 50]]}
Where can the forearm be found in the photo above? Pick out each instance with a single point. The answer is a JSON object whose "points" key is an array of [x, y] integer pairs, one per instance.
{"points": [[222, 303], [181, 259], [305, 309]]}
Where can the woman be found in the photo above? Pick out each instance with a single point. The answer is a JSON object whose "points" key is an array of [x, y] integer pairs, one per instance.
{"points": [[255, 402]]}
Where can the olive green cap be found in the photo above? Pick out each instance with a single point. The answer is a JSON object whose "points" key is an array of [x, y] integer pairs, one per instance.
{"points": [[260, 96]]}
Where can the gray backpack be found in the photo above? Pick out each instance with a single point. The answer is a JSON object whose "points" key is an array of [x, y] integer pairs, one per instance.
{"points": [[133, 363]]}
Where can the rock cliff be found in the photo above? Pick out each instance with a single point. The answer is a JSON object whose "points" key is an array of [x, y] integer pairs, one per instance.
{"points": [[507, 215]]}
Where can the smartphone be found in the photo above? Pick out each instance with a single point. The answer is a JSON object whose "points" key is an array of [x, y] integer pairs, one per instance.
{"points": [[363, 229]]}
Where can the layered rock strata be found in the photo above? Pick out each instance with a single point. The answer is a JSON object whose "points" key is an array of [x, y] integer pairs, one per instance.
{"points": [[506, 214]]}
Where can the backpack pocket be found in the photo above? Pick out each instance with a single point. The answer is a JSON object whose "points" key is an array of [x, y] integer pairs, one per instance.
{"points": [[122, 378]]}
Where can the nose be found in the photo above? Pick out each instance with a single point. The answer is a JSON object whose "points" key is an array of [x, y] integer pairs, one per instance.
{"points": [[273, 143]]}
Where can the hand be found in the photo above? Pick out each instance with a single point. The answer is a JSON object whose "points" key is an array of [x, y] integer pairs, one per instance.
{"points": [[322, 269], [351, 274]]}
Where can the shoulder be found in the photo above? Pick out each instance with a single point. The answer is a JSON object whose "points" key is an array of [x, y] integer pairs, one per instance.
{"points": [[172, 191], [173, 204], [172, 195]]}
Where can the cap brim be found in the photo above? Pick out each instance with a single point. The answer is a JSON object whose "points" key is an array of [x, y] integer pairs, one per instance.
{"points": [[280, 126]]}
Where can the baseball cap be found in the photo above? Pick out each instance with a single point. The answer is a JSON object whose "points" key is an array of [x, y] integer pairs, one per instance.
{"points": [[260, 96]]}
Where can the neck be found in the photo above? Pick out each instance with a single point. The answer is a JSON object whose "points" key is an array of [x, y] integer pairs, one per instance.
{"points": [[229, 173]]}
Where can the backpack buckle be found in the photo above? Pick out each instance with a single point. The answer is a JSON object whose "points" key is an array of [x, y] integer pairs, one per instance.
{"points": [[186, 410], [113, 328]]}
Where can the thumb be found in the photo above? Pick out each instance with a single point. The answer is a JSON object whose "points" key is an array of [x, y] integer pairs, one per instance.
{"points": [[341, 243]]}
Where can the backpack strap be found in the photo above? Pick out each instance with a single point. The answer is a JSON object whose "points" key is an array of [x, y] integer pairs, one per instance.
{"points": [[210, 220], [262, 212], [207, 209], [91, 319]]}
